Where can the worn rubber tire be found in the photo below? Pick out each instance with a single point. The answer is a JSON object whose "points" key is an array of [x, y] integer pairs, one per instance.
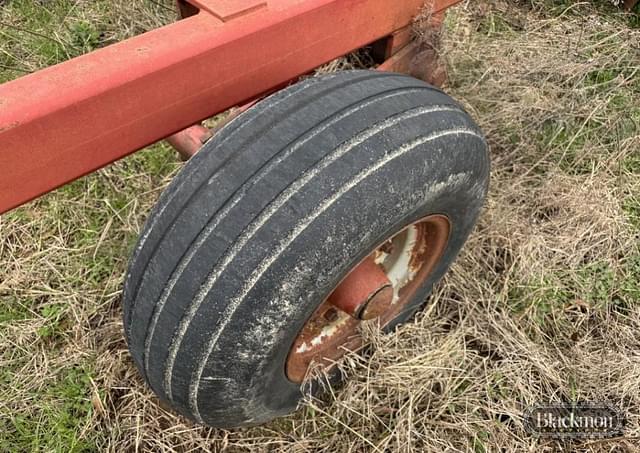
{"points": [[260, 226]]}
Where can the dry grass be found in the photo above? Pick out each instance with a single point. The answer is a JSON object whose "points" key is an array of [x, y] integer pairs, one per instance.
{"points": [[542, 305]]}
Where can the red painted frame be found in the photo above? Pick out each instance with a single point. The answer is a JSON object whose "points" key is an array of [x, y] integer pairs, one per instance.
{"points": [[68, 120]]}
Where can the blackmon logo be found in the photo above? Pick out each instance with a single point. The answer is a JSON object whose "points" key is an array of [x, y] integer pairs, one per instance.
{"points": [[574, 420]]}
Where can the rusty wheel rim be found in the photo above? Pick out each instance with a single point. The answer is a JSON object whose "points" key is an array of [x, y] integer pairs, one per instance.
{"points": [[406, 260]]}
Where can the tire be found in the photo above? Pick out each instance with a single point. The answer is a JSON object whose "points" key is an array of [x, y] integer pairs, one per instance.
{"points": [[267, 219]]}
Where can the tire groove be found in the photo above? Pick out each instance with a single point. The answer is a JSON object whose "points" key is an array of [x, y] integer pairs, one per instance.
{"points": [[160, 208], [256, 135], [266, 214], [266, 262], [238, 195]]}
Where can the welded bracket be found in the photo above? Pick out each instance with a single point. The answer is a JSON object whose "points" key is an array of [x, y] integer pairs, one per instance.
{"points": [[225, 10], [418, 56]]}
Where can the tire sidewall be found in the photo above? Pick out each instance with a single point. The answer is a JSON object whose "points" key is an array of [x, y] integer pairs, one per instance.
{"points": [[264, 345]]}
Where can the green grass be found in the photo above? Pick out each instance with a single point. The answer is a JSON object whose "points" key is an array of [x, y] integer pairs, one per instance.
{"points": [[594, 286], [36, 34], [538, 299], [603, 7], [59, 423], [584, 140], [631, 202], [86, 225]]}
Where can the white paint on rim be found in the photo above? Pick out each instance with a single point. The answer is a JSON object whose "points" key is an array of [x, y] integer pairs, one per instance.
{"points": [[327, 331], [397, 266], [397, 263]]}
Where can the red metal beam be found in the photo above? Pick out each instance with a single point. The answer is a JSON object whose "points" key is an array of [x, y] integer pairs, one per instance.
{"points": [[68, 120]]}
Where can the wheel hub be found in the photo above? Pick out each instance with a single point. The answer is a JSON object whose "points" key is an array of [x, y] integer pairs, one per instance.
{"points": [[376, 290]]}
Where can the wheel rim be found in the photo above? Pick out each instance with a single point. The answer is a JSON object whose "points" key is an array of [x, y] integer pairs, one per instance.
{"points": [[376, 290]]}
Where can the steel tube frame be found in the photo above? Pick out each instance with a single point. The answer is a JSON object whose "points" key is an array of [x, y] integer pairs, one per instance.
{"points": [[68, 120]]}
